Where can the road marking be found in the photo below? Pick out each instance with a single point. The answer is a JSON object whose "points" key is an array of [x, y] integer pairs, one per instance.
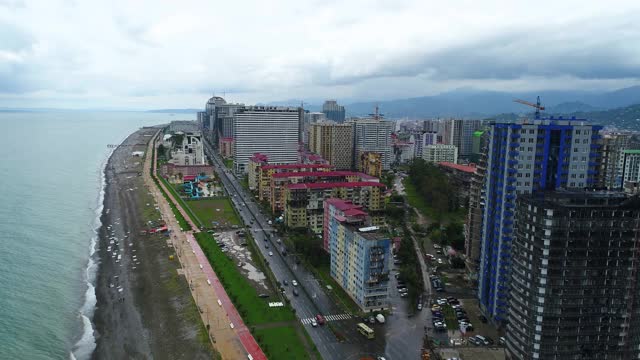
{"points": [[336, 317]]}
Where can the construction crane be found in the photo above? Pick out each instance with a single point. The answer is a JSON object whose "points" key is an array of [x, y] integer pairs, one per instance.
{"points": [[377, 115], [536, 105]]}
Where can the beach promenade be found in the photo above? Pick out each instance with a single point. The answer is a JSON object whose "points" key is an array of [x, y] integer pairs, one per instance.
{"points": [[227, 331]]}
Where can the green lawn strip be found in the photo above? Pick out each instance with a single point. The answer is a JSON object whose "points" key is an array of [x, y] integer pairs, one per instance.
{"points": [[281, 343], [254, 310], [337, 292], [228, 163], [206, 211], [450, 317], [181, 201], [181, 220]]}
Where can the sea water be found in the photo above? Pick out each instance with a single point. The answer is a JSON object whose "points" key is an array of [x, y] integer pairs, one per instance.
{"points": [[51, 192]]}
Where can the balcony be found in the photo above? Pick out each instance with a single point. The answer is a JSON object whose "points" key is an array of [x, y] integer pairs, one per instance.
{"points": [[514, 144], [514, 153], [512, 170], [515, 136], [511, 188], [595, 146]]}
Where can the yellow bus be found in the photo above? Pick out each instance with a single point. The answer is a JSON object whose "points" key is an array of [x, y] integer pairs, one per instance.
{"points": [[365, 330]]}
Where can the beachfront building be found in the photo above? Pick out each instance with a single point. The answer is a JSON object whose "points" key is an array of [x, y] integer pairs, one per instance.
{"points": [[269, 130], [303, 203], [440, 153], [360, 255], [186, 148], [574, 281]]}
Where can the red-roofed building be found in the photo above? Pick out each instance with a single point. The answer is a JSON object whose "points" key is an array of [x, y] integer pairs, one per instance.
{"points": [[280, 181], [460, 176], [267, 171], [343, 211], [255, 163], [304, 202]]}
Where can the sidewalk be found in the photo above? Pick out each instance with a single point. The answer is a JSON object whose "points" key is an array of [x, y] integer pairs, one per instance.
{"points": [[230, 343]]}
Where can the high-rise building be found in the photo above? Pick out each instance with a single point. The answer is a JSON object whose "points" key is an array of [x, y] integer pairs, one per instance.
{"points": [[473, 229], [269, 130], [440, 153], [373, 135], [525, 157], [459, 133], [630, 160], [334, 142], [610, 166], [574, 288], [421, 139], [333, 111], [360, 255]]}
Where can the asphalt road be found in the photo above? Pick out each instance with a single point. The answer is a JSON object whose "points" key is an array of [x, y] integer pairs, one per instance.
{"points": [[402, 334]]}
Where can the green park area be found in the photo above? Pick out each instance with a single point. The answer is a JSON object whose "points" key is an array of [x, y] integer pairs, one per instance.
{"points": [[212, 211], [273, 327]]}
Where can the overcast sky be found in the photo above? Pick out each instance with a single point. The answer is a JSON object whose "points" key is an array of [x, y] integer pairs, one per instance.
{"points": [[167, 54]]}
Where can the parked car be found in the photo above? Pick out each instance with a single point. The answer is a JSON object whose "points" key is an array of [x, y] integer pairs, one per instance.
{"points": [[270, 253], [294, 283], [263, 295], [502, 341], [285, 282], [295, 292]]}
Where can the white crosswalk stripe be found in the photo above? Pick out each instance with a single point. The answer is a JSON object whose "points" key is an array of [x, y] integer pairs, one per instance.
{"points": [[335, 317]]}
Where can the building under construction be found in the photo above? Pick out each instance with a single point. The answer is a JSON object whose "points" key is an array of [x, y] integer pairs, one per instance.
{"points": [[574, 280]]}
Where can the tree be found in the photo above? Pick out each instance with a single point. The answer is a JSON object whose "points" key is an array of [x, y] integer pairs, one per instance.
{"points": [[457, 263]]}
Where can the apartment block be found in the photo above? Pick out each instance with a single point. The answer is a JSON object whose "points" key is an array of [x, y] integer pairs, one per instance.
{"points": [[527, 157], [374, 136], [360, 255], [371, 163], [574, 288], [304, 202], [334, 142], [280, 181], [269, 130], [440, 153], [255, 163], [266, 172]]}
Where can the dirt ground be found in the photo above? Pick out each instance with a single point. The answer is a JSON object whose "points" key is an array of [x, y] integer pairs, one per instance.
{"points": [[243, 257]]}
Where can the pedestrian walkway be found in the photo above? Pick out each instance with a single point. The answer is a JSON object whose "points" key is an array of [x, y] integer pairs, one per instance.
{"points": [[327, 318], [231, 337]]}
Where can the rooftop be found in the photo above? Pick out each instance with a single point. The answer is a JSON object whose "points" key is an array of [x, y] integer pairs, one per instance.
{"points": [[298, 166], [334, 173], [471, 168], [353, 184], [631, 151]]}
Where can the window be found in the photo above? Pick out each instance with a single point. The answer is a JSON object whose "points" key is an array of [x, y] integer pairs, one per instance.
{"points": [[577, 132]]}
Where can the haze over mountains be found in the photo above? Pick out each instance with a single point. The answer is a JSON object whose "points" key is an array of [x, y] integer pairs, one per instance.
{"points": [[483, 103]]}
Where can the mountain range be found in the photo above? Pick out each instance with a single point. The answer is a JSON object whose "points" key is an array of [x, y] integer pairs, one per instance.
{"points": [[471, 103]]}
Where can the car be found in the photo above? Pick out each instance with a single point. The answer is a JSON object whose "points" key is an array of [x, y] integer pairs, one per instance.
{"points": [[472, 340], [482, 340], [270, 253], [295, 292], [502, 340], [403, 290], [381, 358], [278, 241], [314, 323], [285, 282], [263, 295], [321, 319], [403, 295], [419, 306], [441, 302], [294, 283]]}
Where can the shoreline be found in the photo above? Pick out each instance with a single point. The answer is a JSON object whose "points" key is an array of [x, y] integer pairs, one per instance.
{"points": [[143, 308]]}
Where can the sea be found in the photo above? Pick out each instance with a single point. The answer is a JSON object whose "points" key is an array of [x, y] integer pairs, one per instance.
{"points": [[51, 194]]}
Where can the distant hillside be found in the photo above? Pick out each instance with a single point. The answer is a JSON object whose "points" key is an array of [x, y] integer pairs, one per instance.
{"points": [[627, 117], [478, 103]]}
